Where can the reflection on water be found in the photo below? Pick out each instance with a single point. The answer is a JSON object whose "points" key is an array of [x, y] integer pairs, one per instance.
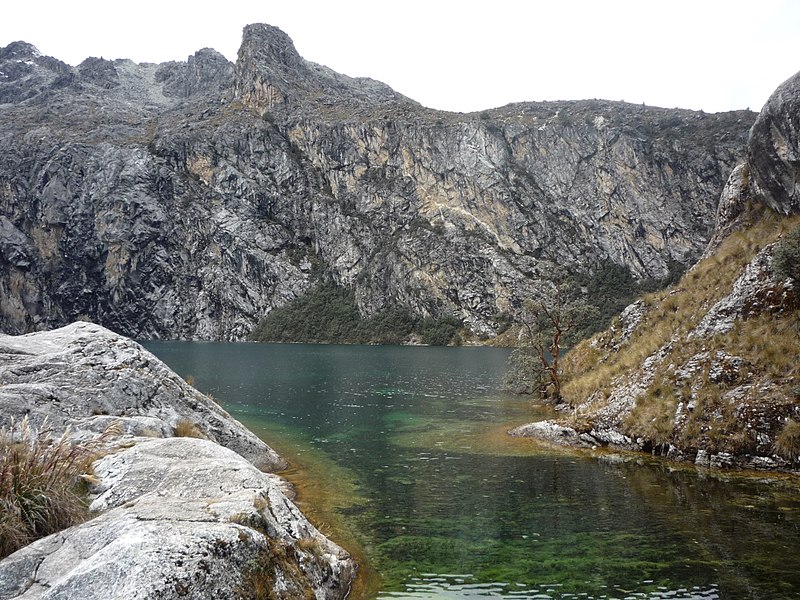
{"points": [[403, 456], [432, 586]]}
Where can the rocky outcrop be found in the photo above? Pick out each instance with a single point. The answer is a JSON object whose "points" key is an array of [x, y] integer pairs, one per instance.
{"points": [[172, 517], [720, 387], [705, 394], [187, 200], [773, 152], [84, 377], [181, 518]]}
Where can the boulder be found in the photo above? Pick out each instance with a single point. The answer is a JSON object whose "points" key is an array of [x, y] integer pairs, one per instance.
{"points": [[177, 518], [773, 150], [86, 377], [173, 517]]}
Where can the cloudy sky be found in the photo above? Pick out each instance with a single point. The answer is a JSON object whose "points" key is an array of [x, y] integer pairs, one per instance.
{"points": [[463, 55]]}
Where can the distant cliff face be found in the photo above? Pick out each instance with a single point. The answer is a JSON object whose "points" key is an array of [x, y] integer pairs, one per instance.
{"points": [[189, 199]]}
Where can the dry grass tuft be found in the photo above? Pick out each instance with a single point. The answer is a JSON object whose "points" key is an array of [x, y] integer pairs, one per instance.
{"points": [[766, 344], [671, 314], [185, 428], [787, 442], [260, 574], [42, 482]]}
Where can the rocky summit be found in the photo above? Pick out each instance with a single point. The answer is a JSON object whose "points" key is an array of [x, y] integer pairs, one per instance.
{"points": [[189, 199]]}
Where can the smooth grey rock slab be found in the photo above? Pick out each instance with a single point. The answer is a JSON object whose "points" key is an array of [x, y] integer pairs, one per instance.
{"points": [[85, 377], [179, 518]]}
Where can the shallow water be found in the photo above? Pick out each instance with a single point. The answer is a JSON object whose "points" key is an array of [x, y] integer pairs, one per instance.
{"points": [[400, 454]]}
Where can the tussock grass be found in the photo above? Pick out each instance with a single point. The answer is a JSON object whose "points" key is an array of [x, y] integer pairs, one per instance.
{"points": [[671, 314], [787, 442], [185, 428], [42, 482], [260, 575]]}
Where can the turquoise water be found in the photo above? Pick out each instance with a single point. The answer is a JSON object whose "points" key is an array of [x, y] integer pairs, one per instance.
{"points": [[406, 458]]}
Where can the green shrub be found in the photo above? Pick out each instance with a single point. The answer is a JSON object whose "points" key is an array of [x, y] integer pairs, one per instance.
{"points": [[42, 483], [786, 257], [328, 314], [525, 374], [440, 331]]}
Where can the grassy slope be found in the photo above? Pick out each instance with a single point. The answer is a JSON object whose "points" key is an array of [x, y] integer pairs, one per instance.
{"points": [[769, 346]]}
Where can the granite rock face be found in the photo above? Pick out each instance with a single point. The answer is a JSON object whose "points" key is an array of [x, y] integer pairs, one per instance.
{"points": [[773, 152], [180, 518], [85, 377], [172, 517], [186, 200]]}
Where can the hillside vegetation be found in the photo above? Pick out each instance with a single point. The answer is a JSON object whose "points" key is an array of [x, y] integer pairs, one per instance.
{"points": [[328, 314], [710, 364]]}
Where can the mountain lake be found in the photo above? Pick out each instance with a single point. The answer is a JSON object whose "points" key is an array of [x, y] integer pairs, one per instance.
{"points": [[400, 454]]}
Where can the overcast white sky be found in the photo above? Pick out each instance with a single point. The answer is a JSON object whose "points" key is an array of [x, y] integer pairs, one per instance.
{"points": [[463, 55]]}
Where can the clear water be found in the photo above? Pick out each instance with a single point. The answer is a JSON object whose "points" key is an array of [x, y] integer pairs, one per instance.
{"points": [[402, 457]]}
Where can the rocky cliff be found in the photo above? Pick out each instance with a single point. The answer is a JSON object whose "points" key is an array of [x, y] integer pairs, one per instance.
{"points": [[708, 370], [189, 199], [172, 517]]}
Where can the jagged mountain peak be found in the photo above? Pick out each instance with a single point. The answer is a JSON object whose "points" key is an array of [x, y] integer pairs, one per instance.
{"points": [[194, 197], [206, 71], [19, 50], [269, 45], [271, 76]]}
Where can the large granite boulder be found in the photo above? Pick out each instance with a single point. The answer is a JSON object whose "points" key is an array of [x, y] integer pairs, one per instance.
{"points": [[86, 377], [181, 518], [173, 517]]}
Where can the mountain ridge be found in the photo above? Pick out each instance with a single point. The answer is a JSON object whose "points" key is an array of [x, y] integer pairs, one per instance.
{"points": [[187, 200]]}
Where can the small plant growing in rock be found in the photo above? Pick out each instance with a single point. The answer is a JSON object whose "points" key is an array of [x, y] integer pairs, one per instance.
{"points": [[787, 442], [42, 487], [185, 428]]}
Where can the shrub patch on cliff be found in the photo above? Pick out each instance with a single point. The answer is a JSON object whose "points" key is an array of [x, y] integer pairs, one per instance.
{"points": [[328, 314], [612, 287]]}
